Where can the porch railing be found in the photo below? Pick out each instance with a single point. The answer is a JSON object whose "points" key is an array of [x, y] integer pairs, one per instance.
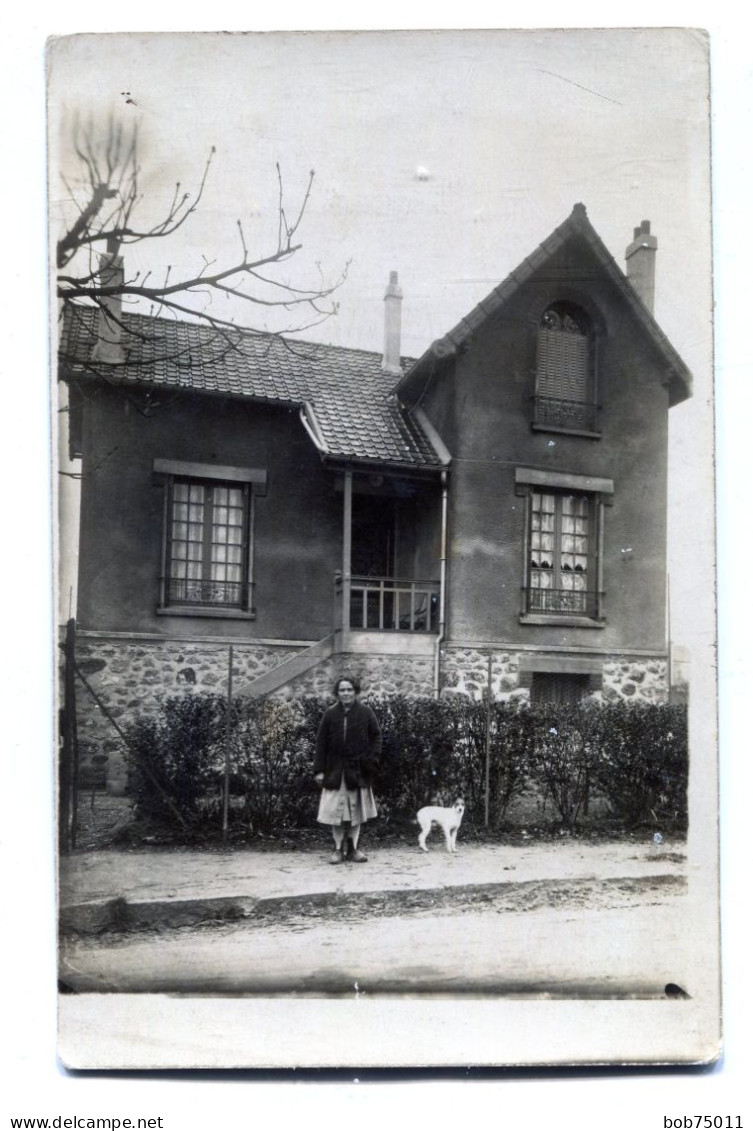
{"points": [[391, 604]]}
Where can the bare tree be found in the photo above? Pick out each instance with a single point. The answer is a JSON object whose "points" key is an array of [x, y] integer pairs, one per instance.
{"points": [[106, 200]]}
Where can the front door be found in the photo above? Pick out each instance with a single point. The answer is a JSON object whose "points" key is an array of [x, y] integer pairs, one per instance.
{"points": [[372, 560], [372, 552]]}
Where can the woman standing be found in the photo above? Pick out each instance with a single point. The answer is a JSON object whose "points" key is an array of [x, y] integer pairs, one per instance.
{"points": [[348, 746]]}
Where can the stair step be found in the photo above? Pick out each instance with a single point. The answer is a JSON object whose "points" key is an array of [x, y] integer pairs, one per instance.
{"points": [[289, 669]]}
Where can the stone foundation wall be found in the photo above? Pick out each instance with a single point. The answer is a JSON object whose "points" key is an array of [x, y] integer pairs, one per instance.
{"points": [[466, 671], [131, 676], [379, 676], [638, 679]]}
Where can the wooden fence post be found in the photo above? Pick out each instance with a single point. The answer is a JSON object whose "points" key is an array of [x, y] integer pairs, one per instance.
{"points": [[68, 761], [228, 736], [488, 744]]}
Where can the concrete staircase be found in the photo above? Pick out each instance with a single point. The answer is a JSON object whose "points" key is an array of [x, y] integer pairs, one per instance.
{"points": [[289, 669]]}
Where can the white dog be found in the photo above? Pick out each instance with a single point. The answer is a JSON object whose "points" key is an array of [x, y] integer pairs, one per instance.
{"points": [[447, 819]]}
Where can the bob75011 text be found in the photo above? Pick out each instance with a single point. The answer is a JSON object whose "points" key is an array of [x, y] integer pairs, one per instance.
{"points": [[703, 1121]]}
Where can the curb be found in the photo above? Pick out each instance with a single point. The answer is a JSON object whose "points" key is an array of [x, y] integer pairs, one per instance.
{"points": [[119, 915]]}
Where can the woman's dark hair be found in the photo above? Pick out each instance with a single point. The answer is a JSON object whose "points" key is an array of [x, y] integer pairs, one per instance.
{"points": [[352, 679]]}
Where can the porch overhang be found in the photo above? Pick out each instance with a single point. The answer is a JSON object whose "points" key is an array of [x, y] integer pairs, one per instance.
{"points": [[432, 462]]}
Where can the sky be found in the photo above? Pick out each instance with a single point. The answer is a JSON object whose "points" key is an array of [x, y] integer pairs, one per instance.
{"points": [[446, 156]]}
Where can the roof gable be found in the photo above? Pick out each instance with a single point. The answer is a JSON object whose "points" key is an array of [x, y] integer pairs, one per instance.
{"points": [[679, 379]]}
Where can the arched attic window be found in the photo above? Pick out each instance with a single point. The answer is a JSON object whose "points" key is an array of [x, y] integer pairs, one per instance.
{"points": [[564, 398]]}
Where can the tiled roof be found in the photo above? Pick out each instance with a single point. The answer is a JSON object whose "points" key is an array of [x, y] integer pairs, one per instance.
{"points": [[347, 398], [679, 377]]}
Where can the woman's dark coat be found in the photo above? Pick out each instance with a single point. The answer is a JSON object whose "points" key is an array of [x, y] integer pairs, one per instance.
{"points": [[348, 742]]}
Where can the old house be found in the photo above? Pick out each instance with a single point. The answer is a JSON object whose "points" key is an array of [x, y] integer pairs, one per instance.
{"points": [[496, 507]]}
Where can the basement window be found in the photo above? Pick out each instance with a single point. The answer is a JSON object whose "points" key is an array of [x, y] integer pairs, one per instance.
{"points": [[558, 687]]}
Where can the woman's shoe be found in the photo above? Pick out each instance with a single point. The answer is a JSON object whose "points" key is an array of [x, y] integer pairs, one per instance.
{"points": [[354, 855], [336, 857]]}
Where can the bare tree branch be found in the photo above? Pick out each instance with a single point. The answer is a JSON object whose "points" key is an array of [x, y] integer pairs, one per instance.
{"points": [[105, 223]]}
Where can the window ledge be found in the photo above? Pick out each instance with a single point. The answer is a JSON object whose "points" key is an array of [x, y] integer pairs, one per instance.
{"points": [[204, 611], [567, 621], [565, 431]]}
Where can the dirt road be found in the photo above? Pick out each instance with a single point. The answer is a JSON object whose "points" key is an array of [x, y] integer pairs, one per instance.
{"points": [[624, 937]]}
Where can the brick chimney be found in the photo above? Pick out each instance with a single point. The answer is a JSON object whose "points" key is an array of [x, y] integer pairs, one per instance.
{"points": [[393, 300], [108, 346], [640, 260]]}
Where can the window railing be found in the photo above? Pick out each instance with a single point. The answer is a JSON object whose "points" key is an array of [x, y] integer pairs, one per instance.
{"points": [[217, 594], [563, 602], [391, 604], [577, 416]]}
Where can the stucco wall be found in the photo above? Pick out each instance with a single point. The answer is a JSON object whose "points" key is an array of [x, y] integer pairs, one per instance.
{"points": [[484, 413], [297, 528]]}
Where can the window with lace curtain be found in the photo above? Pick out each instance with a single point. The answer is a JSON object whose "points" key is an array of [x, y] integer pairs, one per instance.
{"points": [[564, 395], [561, 567], [562, 552]]}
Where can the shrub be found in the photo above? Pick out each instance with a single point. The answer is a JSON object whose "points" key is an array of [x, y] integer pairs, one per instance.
{"points": [[434, 751], [418, 765], [174, 759], [635, 757], [272, 758], [510, 750], [563, 757], [642, 763], [178, 766]]}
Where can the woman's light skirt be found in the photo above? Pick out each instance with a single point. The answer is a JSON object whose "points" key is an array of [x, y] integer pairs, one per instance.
{"points": [[339, 805]]}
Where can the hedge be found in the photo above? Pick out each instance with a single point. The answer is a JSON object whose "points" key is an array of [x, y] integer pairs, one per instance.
{"points": [[628, 762]]}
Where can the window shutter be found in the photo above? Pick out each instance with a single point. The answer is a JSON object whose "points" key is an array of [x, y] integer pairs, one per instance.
{"points": [[562, 365]]}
